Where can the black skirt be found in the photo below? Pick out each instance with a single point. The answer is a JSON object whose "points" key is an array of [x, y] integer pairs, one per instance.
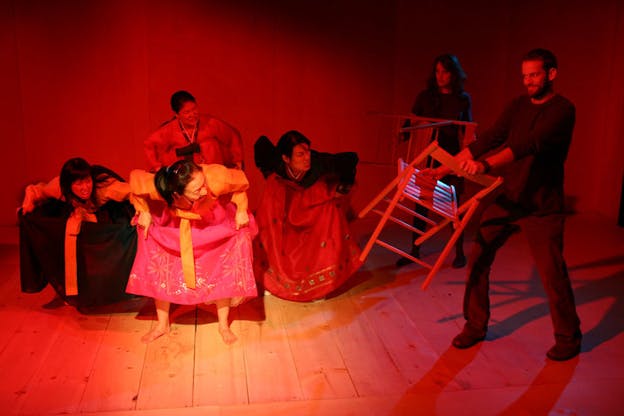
{"points": [[104, 254]]}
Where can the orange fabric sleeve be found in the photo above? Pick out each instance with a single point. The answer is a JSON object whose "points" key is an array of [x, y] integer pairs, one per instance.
{"points": [[142, 188], [221, 180], [113, 190], [36, 193]]}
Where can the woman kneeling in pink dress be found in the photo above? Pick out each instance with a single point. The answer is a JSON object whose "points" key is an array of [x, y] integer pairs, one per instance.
{"points": [[196, 245]]}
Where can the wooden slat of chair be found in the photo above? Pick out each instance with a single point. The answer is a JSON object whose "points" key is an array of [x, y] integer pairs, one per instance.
{"points": [[415, 214]]}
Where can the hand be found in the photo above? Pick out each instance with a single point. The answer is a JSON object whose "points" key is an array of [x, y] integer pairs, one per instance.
{"points": [[472, 167], [29, 200], [241, 219], [142, 219]]}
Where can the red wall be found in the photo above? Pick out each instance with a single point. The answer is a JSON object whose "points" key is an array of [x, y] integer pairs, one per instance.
{"points": [[93, 78]]}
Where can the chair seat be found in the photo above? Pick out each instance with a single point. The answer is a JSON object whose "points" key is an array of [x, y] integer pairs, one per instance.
{"points": [[436, 195]]}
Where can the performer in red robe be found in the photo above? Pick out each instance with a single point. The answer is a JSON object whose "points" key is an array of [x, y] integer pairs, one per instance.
{"points": [[193, 136], [306, 249]]}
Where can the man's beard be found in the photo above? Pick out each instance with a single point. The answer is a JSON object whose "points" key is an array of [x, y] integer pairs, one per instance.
{"points": [[546, 89]]}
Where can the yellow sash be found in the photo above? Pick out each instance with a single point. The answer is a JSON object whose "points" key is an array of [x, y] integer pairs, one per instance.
{"points": [[186, 246], [72, 229]]}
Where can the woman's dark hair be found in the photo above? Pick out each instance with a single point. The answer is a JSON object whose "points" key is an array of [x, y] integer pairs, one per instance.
{"points": [[174, 178], [179, 98], [74, 169], [451, 64], [289, 140], [77, 168]]}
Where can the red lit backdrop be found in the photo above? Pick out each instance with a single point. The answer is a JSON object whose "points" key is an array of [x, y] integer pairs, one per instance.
{"points": [[93, 78]]}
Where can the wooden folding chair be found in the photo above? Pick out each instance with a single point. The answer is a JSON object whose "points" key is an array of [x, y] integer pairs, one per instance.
{"points": [[437, 197]]}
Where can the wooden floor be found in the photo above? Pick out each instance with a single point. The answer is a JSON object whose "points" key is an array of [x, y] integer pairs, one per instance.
{"points": [[382, 347]]}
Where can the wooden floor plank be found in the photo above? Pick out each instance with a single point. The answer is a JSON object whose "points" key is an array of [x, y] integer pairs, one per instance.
{"points": [[320, 367], [16, 308], [271, 370], [370, 367], [408, 348], [167, 378], [60, 382], [219, 368], [114, 381], [26, 352], [432, 314]]}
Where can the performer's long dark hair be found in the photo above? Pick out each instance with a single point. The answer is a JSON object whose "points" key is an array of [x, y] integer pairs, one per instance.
{"points": [[77, 168], [174, 178], [451, 64]]}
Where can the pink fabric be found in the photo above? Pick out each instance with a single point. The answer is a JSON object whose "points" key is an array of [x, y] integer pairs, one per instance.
{"points": [[306, 249], [223, 258]]}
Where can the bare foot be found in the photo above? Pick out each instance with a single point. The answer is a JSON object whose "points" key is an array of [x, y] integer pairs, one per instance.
{"points": [[227, 335], [154, 334]]}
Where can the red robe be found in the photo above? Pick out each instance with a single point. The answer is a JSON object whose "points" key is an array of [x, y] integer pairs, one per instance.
{"points": [[218, 143], [306, 249]]}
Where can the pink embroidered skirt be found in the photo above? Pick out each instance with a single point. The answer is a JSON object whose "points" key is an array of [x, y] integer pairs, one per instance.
{"points": [[223, 260]]}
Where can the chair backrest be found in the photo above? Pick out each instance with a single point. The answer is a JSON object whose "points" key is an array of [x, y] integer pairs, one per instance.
{"points": [[421, 131]]}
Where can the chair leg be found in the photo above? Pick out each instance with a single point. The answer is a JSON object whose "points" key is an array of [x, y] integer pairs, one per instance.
{"points": [[450, 244], [384, 218]]}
